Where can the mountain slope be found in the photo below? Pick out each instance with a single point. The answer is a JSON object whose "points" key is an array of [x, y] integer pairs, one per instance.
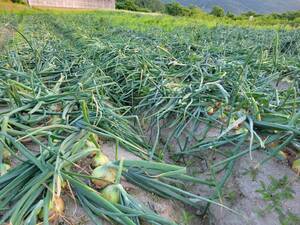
{"points": [[239, 6]]}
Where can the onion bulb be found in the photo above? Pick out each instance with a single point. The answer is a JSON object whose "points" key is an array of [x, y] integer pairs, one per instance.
{"points": [[55, 119], [56, 209], [273, 144], [57, 206], [106, 175], [210, 110], [218, 104], [4, 168], [282, 154], [93, 151], [90, 144], [296, 166], [6, 154], [99, 160], [111, 193]]}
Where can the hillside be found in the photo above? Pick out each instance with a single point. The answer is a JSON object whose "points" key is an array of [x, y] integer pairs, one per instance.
{"points": [[239, 6]]}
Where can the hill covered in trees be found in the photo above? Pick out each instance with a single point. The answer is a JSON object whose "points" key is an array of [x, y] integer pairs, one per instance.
{"points": [[240, 6]]}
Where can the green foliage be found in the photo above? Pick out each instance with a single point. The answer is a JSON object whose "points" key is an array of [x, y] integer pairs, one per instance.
{"points": [[140, 5], [127, 5], [276, 193], [292, 15], [289, 219], [290, 19], [187, 217], [194, 10], [151, 5], [17, 1], [217, 11], [240, 6], [230, 15], [175, 9], [249, 13], [171, 63]]}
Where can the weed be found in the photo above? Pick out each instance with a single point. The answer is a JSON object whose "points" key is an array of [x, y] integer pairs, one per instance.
{"points": [[187, 217], [278, 191]]}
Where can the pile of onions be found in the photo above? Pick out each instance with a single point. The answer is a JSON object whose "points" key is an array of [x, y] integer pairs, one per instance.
{"points": [[106, 175], [102, 171]]}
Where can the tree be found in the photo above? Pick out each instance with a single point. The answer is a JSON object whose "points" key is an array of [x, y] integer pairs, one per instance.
{"points": [[175, 9], [230, 15], [127, 5], [152, 5], [194, 10], [17, 1], [217, 11], [249, 13]]}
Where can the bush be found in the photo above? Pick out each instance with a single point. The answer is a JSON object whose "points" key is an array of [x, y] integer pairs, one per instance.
{"points": [[175, 9], [230, 15], [127, 5], [151, 5], [292, 15], [217, 11], [194, 10], [249, 13], [17, 1]]}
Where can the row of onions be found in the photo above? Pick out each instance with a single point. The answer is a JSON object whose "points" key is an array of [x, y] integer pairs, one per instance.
{"points": [[80, 80]]}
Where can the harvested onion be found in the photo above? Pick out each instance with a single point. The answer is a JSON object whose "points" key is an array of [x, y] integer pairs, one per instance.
{"points": [[4, 168], [99, 160], [56, 209], [90, 144], [106, 175], [296, 166], [111, 193], [6, 154], [55, 119], [210, 110]]}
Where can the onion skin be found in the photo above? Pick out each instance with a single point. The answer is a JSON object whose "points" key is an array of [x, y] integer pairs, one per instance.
{"points": [[210, 111], [58, 206], [55, 120], [6, 154], [296, 166], [105, 175], [56, 209], [99, 160], [90, 144], [111, 193], [4, 168]]}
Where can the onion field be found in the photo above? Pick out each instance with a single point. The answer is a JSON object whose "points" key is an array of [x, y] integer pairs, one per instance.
{"points": [[180, 107]]}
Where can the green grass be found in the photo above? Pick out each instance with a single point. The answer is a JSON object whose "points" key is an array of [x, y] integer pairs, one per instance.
{"points": [[138, 20]]}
